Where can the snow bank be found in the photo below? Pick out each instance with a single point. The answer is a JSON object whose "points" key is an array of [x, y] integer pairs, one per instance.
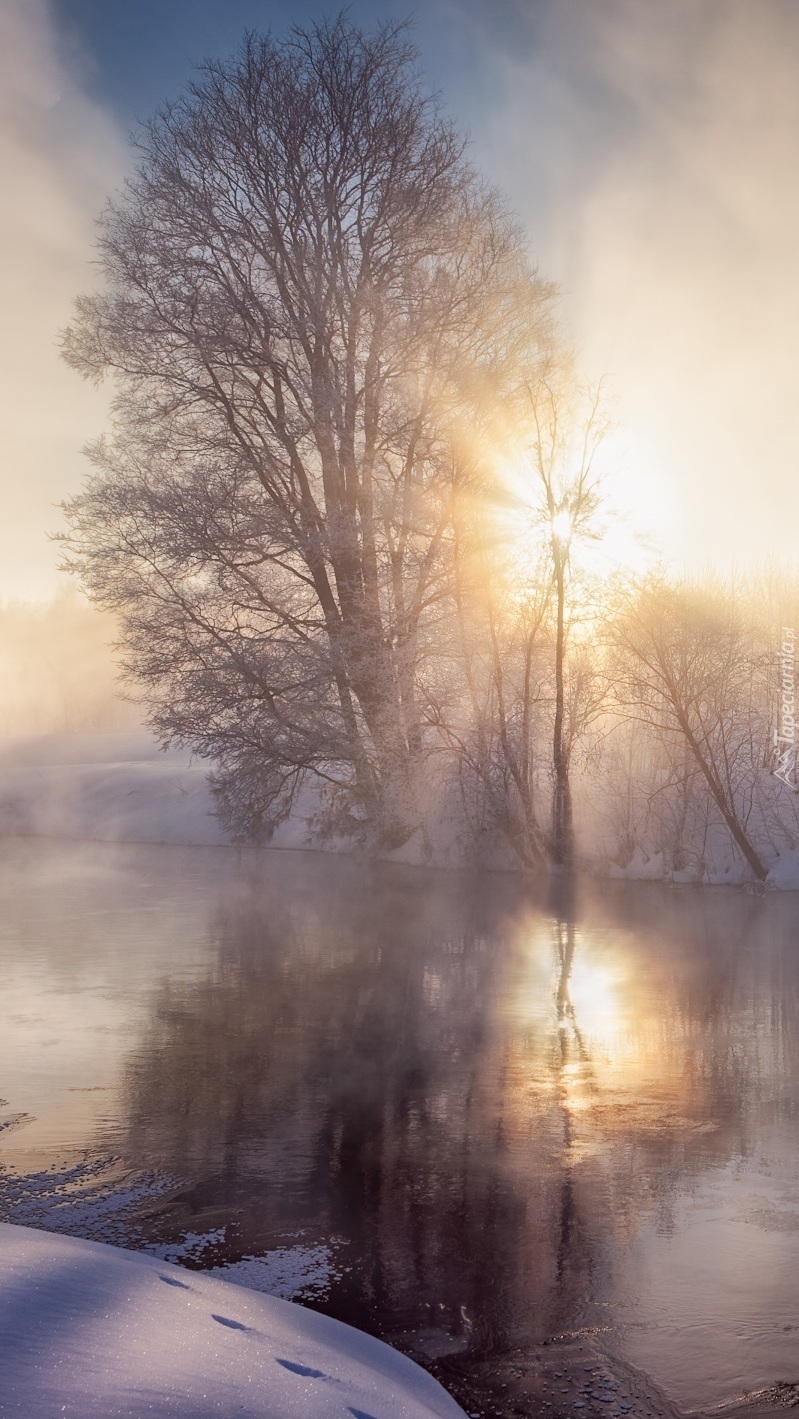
{"points": [[784, 875], [92, 1331], [641, 868], [122, 788], [108, 787]]}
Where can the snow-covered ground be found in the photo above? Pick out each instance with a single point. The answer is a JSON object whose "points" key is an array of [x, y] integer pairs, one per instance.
{"points": [[109, 787], [95, 1332], [119, 787]]}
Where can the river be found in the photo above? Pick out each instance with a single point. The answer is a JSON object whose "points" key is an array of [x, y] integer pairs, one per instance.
{"points": [[438, 1106]]}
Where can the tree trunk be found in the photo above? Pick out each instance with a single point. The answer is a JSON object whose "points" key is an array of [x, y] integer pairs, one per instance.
{"points": [[562, 823], [727, 811]]}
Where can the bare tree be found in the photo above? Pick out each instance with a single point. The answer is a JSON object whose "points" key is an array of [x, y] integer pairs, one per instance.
{"points": [[517, 603], [564, 448], [503, 642], [685, 667], [309, 296]]}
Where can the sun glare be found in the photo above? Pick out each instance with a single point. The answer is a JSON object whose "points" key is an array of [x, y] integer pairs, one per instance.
{"points": [[618, 539], [562, 526], [594, 995]]}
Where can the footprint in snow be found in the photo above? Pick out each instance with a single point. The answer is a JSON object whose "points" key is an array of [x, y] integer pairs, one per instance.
{"points": [[360, 1413], [171, 1281], [231, 1324], [302, 1370]]}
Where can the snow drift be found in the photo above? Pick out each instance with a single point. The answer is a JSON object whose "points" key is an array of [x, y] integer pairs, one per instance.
{"points": [[93, 1331]]}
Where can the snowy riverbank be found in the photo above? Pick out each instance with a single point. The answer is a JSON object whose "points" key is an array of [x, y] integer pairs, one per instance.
{"points": [[93, 1331], [120, 787], [107, 787]]}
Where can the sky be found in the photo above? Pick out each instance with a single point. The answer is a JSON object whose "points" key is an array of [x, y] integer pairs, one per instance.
{"points": [[651, 147]]}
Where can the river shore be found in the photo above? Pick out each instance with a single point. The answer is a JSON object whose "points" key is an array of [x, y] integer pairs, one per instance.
{"points": [[572, 1377]]}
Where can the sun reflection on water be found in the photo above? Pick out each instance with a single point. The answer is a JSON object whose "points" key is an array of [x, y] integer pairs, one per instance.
{"points": [[594, 1037], [591, 997]]}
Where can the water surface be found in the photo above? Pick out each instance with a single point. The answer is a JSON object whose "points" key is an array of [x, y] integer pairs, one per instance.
{"points": [[435, 1106]]}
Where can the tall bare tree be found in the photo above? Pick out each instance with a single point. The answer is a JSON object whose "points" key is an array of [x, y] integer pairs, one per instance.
{"points": [[564, 447], [309, 295], [518, 599]]}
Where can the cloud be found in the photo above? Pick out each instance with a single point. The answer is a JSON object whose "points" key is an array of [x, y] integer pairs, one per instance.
{"points": [[59, 157]]}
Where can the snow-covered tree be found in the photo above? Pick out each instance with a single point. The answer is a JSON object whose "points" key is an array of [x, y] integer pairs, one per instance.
{"points": [[309, 298]]}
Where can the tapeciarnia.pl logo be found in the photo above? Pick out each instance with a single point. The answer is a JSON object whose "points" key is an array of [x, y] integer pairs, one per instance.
{"points": [[785, 732]]}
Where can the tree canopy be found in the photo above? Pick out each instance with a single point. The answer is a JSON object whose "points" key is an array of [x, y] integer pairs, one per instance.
{"points": [[313, 307]]}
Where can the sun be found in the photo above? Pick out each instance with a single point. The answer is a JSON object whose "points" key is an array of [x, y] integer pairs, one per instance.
{"points": [[562, 526], [623, 533]]}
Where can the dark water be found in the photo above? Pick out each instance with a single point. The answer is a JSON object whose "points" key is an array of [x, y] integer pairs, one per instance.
{"points": [[436, 1107]]}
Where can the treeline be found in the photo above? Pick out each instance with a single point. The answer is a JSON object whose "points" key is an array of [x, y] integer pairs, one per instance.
{"points": [[330, 348], [674, 696]]}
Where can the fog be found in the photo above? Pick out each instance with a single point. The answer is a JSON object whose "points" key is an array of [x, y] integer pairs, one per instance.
{"points": [[490, 1114], [58, 673], [459, 1114], [59, 156], [652, 151]]}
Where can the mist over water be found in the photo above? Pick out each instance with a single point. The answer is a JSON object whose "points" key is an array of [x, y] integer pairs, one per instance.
{"points": [[436, 1107]]}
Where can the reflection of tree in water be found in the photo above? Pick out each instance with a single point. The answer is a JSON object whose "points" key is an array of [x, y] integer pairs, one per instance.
{"points": [[569, 1042], [683, 1105], [356, 1067], [328, 1077]]}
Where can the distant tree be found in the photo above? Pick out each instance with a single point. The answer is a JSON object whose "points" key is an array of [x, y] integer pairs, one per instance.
{"points": [[685, 665], [500, 732], [309, 298]]}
